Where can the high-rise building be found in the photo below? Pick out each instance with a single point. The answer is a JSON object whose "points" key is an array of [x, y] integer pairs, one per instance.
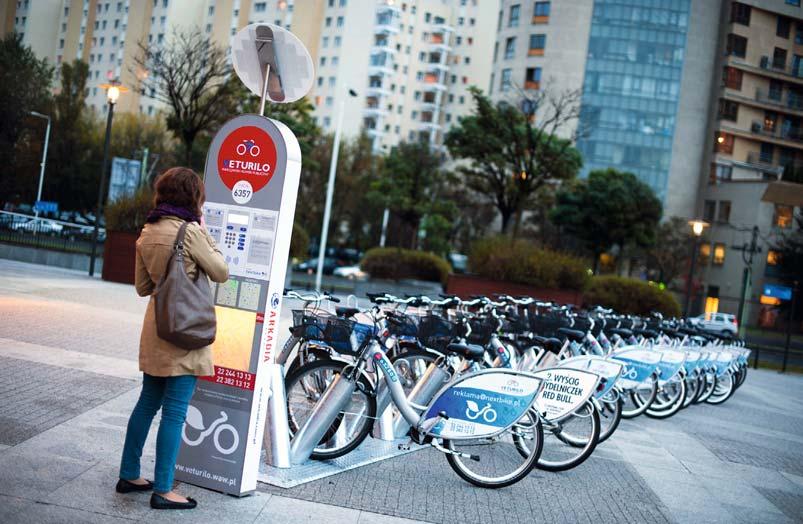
{"points": [[410, 62], [642, 66], [755, 132]]}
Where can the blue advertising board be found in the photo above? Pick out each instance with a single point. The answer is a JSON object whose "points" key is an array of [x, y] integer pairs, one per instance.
{"points": [[779, 292]]}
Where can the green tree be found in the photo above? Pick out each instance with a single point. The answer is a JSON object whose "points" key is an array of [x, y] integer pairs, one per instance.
{"points": [[610, 208], [25, 83], [511, 156], [189, 75], [74, 159], [668, 257], [410, 184]]}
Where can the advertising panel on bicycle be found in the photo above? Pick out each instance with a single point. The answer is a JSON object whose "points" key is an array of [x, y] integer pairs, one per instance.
{"points": [[565, 390]]}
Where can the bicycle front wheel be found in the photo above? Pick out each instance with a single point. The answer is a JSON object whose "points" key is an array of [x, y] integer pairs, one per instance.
{"points": [[496, 462], [570, 441], [304, 388]]}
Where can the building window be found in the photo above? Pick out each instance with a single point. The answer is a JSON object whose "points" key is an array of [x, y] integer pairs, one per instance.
{"points": [[793, 2], [728, 110], [770, 121], [513, 20], [719, 254], [505, 80], [328, 21], [537, 44], [732, 78], [740, 13], [767, 153], [541, 13], [709, 208], [779, 58], [339, 21], [323, 61], [724, 211], [776, 91], [724, 143], [782, 27], [338, 41], [705, 253], [736, 45], [532, 79], [773, 257], [510, 47], [783, 216]]}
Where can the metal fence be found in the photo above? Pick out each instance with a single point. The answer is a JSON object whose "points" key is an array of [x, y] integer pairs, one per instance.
{"points": [[47, 233]]}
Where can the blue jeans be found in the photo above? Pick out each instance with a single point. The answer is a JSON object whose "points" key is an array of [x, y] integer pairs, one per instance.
{"points": [[173, 395]]}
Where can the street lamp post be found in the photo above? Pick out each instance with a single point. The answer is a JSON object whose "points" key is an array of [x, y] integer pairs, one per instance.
{"points": [[112, 94], [697, 227], [330, 189], [44, 161]]}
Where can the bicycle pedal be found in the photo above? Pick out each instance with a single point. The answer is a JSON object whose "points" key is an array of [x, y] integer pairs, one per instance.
{"points": [[474, 457]]}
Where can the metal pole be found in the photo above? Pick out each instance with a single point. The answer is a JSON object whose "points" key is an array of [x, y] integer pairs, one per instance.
{"points": [[143, 167], [264, 91], [789, 320], [689, 286], [101, 188], [746, 278], [385, 216], [330, 190], [44, 161]]}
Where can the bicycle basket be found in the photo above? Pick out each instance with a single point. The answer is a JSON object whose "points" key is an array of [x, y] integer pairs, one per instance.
{"points": [[309, 325], [346, 336], [435, 332], [402, 325], [481, 330], [515, 323]]}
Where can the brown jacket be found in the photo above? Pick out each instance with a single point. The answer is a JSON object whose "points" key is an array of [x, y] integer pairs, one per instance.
{"points": [[157, 357]]}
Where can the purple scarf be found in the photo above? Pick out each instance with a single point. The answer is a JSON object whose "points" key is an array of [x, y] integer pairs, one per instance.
{"points": [[163, 210]]}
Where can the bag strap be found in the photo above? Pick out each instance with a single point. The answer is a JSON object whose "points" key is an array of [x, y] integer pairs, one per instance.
{"points": [[178, 245]]}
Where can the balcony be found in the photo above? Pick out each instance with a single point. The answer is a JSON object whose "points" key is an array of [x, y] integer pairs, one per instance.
{"points": [[777, 132], [377, 90], [785, 100], [764, 68], [761, 163], [429, 126], [387, 23], [374, 112]]}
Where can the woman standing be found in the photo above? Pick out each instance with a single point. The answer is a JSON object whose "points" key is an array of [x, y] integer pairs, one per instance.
{"points": [[169, 372]]}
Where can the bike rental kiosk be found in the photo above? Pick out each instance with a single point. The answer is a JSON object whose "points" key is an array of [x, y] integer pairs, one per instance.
{"points": [[252, 175]]}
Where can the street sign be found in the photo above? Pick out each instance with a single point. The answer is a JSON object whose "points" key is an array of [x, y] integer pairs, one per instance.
{"points": [[125, 178], [779, 292], [44, 206]]}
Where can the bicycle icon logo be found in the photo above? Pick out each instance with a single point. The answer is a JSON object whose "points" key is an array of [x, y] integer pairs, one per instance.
{"points": [[196, 420], [248, 146], [630, 373], [473, 412]]}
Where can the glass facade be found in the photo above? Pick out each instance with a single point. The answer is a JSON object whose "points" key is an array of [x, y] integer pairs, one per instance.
{"points": [[632, 87]]}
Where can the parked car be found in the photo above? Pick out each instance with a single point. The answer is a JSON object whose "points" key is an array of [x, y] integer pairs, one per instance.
{"points": [[459, 262], [723, 324], [38, 226], [350, 272], [311, 266]]}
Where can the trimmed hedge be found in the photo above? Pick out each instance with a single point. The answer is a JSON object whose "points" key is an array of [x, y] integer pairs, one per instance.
{"points": [[127, 214], [631, 296], [396, 263], [520, 261]]}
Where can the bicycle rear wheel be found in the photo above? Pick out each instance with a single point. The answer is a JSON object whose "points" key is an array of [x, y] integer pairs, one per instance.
{"points": [[610, 415], [304, 388], [646, 392], [496, 462], [569, 442], [723, 389], [669, 400]]}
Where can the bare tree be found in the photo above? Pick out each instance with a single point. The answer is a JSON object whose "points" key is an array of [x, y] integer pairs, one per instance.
{"points": [[513, 153], [188, 74]]}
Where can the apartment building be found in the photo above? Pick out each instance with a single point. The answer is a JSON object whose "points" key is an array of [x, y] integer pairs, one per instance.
{"points": [[411, 62], [754, 133], [641, 66]]}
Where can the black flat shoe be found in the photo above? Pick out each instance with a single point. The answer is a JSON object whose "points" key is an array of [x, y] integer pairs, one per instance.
{"points": [[124, 486], [159, 502]]}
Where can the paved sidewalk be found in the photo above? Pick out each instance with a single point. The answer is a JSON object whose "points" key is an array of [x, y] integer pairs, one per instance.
{"points": [[68, 379]]}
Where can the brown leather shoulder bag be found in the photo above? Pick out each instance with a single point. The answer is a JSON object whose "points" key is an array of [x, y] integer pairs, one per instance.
{"points": [[185, 311]]}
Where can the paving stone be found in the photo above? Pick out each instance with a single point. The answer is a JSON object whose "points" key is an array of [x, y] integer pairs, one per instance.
{"points": [[789, 503], [36, 397], [15, 510], [35, 475]]}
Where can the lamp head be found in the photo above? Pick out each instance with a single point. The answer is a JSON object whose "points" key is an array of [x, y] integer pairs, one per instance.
{"points": [[697, 227], [112, 94]]}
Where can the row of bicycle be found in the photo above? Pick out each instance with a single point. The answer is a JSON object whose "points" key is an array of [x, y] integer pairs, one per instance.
{"points": [[500, 385]]}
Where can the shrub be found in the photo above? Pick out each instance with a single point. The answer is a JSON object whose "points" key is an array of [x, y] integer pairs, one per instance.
{"points": [[299, 242], [502, 258], [397, 263], [631, 296], [128, 213]]}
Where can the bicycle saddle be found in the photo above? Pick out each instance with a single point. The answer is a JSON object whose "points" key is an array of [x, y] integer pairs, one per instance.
{"points": [[468, 351], [622, 332], [346, 312], [571, 334], [648, 333], [551, 344]]}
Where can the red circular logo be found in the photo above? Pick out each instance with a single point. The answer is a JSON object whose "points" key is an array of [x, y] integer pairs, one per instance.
{"points": [[248, 153]]}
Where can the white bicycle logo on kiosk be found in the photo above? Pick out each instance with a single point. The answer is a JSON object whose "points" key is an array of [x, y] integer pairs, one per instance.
{"points": [[248, 146], [473, 412], [196, 420]]}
